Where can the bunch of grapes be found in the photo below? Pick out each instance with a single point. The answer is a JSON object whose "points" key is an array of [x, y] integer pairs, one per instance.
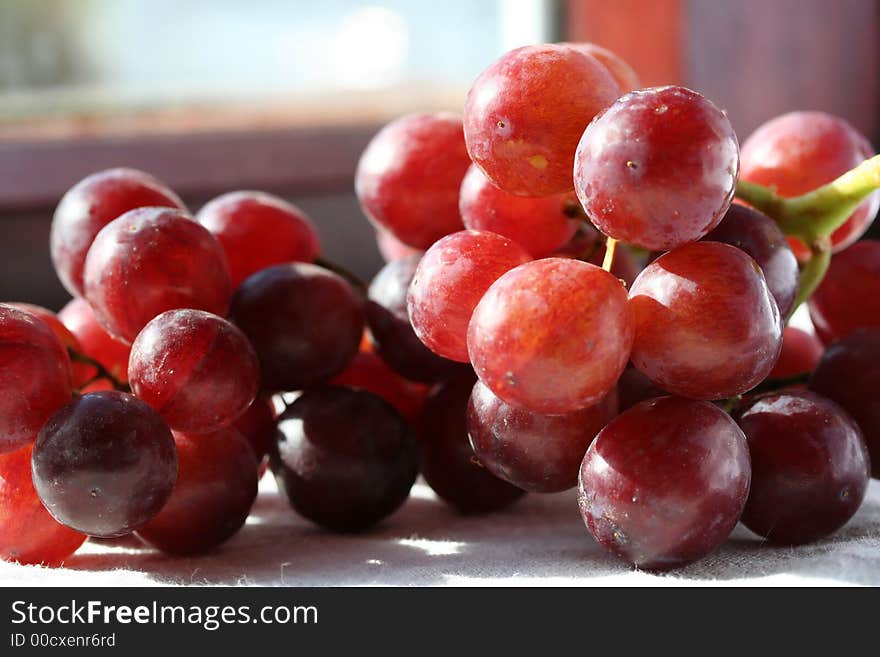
{"points": [[620, 318], [146, 405], [572, 298]]}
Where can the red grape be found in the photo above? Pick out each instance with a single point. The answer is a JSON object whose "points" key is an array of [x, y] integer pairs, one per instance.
{"points": [[622, 72], [797, 152], [35, 377], [849, 296], [408, 178], [391, 333], [28, 534], [104, 464], [764, 241], [215, 490], [81, 372], [525, 113], [447, 460], [258, 230], [257, 425], [369, 372], [552, 335], [95, 342], [90, 205], [151, 260], [664, 483], [539, 225], [392, 248], [197, 370], [538, 453], [706, 325], [800, 354], [658, 168], [450, 279], [345, 458], [304, 322], [810, 467], [849, 374]]}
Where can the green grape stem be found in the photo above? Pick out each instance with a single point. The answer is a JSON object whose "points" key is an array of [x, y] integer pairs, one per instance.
{"points": [[814, 216]]}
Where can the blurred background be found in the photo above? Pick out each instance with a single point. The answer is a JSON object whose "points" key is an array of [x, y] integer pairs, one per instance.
{"points": [[283, 95]]}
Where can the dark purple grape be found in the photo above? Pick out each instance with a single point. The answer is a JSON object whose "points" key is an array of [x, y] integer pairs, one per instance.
{"points": [[105, 464], [849, 374], [448, 463], [760, 237], [664, 483], [391, 333], [304, 322], [538, 453], [345, 458], [810, 467]]}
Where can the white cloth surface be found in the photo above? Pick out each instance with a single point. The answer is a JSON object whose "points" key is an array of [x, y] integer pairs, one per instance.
{"points": [[538, 541]]}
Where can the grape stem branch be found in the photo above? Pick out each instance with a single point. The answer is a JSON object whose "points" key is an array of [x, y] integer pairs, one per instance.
{"points": [[814, 216], [610, 250], [101, 372]]}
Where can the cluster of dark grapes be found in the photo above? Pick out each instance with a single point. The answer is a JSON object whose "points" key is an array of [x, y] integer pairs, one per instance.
{"points": [[571, 299]]}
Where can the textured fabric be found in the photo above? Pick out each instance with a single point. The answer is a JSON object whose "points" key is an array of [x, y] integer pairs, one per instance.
{"points": [[538, 541]]}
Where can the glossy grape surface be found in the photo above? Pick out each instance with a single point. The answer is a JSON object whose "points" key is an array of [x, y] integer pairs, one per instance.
{"points": [[391, 333], [525, 113], [623, 73], [764, 241], [345, 458], [197, 370], [151, 260], [35, 377], [304, 322], [849, 374], [450, 280], [669, 185], [94, 341], [90, 205], [408, 178], [552, 335], [80, 372], [706, 325], [215, 490], [665, 482], [258, 230], [28, 534], [448, 463], [539, 225], [369, 372], [849, 296], [538, 453], [104, 464], [800, 353], [797, 152], [810, 467]]}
